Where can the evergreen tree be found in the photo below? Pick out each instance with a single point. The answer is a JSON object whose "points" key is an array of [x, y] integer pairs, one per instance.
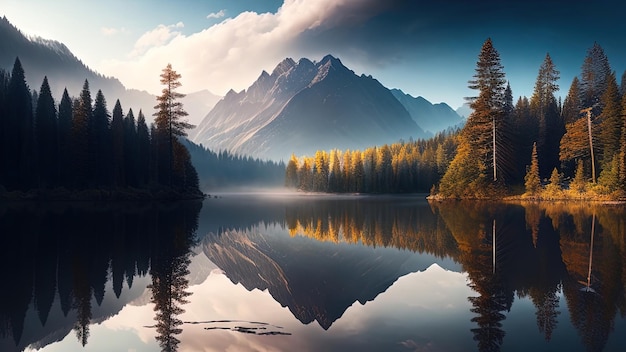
{"points": [[46, 137], [622, 151], [579, 183], [526, 132], [291, 172], [553, 189], [481, 138], [609, 177], [532, 182], [609, 121], [383, 170], [544, 107], [4, 156], [320, 182], [143, 150], [100, 143], [573, 103], [131, 148], [117, 133], [357, 173], [482, 127], [20, 132], [334, 178], [595, 70], [168, 119], [81, 117], [64, 135]]}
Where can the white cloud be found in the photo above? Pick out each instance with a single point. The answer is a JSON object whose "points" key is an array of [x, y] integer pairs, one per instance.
{"points": [[232, 53], [218, 14], [109, 31], [159, 36]]}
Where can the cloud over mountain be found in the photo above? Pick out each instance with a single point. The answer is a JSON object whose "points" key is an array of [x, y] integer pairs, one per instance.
{"points": [[231, 53]]}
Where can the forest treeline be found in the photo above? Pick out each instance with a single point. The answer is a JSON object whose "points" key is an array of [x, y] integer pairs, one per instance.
{"points": [[404, 167], [223, 169], [79, 146], [540, 146]]}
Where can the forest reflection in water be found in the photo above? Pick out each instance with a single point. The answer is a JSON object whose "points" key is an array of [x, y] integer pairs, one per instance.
{"points": [[68, 251], [534, 250], [540, 252]]}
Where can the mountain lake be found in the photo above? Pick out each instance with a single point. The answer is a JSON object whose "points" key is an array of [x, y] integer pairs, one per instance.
{"points": [[277, 272]]}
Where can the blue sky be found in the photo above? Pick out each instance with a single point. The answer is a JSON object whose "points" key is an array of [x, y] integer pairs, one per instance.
{"points": [[426, 48]]}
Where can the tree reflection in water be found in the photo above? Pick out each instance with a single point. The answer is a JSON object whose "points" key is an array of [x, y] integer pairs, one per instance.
{"points": [[70, 249]]}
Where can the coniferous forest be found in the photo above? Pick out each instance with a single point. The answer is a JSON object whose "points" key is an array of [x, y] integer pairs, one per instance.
{"points": [[540, 147], [78, 149]]}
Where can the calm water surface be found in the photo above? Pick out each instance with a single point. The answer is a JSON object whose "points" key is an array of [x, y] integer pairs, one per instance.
{"points": [[304, 273]]}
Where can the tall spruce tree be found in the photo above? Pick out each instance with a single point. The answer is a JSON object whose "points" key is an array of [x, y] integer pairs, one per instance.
{"points": [[143, 150], [20, 131], [100, 143], [544, 108], [477, 158], [46, 137], [131, 147], [595, 70], [64, 135], [81, 117], [483, 125], [168, 120], [117, 135], [532, 182], [4, 157], [609, 121]]}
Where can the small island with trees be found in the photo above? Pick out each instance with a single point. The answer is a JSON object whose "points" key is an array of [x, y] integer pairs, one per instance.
{"points": [[79, 151], [540, 148]]}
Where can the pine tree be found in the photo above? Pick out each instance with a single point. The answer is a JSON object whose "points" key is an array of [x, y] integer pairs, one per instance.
{"points": [[143, 150], [334, 178], [595, 71], [532, 182], [64, 135], [46, 137], [544, 107], [554, 188], [81, 117], [481, 138], [622, 151], [4, 155], [320, 181], [579, 183], [117, 135], [131, 147], [168, 118], [482, 128], [609, 121], [20, 132], [100, 143], [572, 104], [291, 172]]}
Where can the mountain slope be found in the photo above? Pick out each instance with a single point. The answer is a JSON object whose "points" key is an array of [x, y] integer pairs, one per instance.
{"points": [[305, 106], [432, 118], [42, 57]]}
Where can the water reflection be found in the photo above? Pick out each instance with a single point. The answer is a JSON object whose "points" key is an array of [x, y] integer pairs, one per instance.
{"points": [[318, 258], [541, 251], [72, 250]]}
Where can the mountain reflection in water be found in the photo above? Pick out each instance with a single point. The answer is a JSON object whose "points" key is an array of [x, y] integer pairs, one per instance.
{"points": [[70, 267]]}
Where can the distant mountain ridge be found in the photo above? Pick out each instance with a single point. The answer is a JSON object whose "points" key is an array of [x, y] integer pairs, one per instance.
{"points": [[43, 57], [305, 106], [430, 117]]}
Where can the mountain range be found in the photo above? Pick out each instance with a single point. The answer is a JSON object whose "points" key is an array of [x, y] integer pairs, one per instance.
{"points": [[299, 108], [305, 106], [43, 57]]}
